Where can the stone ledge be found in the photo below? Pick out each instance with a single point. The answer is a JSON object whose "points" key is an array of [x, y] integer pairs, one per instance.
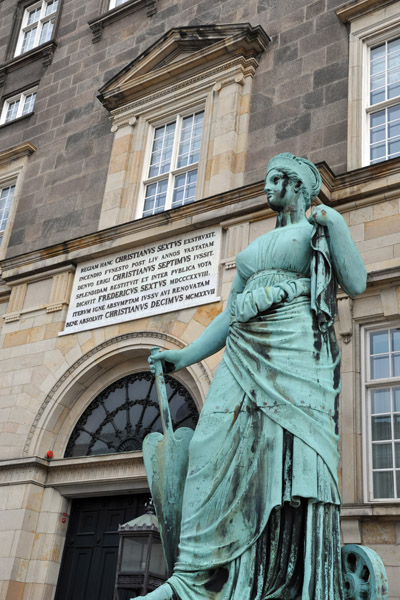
{"points": [[375, 510], [16, 152], [96, 25], [44, 52], [357, 9]]}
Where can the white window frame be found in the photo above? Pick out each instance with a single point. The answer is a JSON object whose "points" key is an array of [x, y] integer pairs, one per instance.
{"points": [[22, 98], [113, 4], [25, 27], [369, 384], [199, 165], [4, 185], [366, 31]]}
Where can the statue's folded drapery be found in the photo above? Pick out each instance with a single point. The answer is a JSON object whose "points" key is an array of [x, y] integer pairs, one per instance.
{"points": [[261, 513]]}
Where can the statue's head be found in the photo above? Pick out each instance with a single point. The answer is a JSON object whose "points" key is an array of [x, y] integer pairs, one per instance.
{"points": [[300, 171]]}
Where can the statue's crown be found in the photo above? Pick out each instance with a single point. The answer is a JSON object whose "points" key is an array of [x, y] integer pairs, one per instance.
{"points": [[305, 170]]}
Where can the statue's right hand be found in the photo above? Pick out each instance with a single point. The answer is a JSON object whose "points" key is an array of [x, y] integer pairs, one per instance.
{"points": [[171, 360]]}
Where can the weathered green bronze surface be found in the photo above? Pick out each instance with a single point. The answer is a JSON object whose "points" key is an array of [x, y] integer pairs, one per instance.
{"points": [[166, 459], [261, 504]]}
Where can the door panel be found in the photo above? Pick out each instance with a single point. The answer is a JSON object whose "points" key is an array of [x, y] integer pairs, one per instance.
{"points": [[91, 547]]}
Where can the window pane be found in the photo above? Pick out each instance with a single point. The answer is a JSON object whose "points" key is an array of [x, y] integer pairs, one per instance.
{"points": [[382, 456], [378, 134], [394, 45], [377, 96], [155, 198], [378, 152], [29, 103], [12, 111], [394, 90], [396, 399], [119, 2], [379, 342], [378, 81], [381, 428], [380, 367], [33, 16], [393, 60], [383, 484], [393, 129], [29, 40], [394, 147], [157, 564], [378, 51], [397, 458], [6, 196], [395, 365], [377, 66], [51, 7], [393, 112], [396, 426], [160, 161], [380, 401], [46, 33], [184, 188], [190, 140], [395, 341], [377, 118]]}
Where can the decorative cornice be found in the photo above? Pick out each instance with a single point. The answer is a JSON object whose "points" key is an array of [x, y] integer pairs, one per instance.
{"points": [[247, 65], [88, 357], [43, 52], [96, 25], [179, 54], [16, 152], [360, 186], [354, 10]]}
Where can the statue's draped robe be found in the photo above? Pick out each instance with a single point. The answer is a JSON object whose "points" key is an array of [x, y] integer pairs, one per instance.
{"points": [[261, 500]]}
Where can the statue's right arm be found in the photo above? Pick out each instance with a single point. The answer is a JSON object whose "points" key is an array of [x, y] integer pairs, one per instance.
{"points": [[209, 342]]}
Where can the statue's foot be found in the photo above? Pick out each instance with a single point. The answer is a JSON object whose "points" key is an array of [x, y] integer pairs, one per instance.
{"points": [[164, 592]]}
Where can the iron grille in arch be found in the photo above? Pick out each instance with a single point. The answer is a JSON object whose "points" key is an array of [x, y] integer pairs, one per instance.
{"points": [[121, 416]]}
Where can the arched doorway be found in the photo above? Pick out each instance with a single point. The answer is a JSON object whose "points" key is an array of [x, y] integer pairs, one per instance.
{"points": [[117, 420]]}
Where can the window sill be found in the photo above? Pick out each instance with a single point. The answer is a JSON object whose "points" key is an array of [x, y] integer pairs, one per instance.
{"points": [[2, 125], [97, 25], [44, 52], [377, 508]]}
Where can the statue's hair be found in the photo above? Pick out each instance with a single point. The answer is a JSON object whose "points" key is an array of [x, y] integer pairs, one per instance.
{"points": [[298, 169]]}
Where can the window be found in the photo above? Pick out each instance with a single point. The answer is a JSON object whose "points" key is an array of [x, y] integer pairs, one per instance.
{"points": [[374, 82], [171, 170], [384, 100], [121, 416], [383, 409], [18, 106], [6, 197], [37, 25], [115, 3]]}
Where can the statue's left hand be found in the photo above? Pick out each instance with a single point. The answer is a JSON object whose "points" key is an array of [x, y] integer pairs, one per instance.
{"points": [[172, 360], [324, 215]]}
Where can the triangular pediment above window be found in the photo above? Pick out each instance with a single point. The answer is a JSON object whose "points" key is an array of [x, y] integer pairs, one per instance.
{"points": [[180, 54]]}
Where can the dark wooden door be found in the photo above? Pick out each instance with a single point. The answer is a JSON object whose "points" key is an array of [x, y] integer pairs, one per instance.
{"points": [[91, 547]]}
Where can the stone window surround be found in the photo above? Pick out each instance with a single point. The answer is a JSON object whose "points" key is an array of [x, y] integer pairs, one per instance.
{"points": [[12, 166], [222, 90], [388, 298], [380, 23], [107, 15], [37, 51], [12, 97]]}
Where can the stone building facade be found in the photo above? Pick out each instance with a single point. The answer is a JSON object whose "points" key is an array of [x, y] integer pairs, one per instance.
{"points": [[127, 126]]}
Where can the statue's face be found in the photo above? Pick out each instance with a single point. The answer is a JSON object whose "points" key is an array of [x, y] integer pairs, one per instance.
{"points": [[281, 191]]}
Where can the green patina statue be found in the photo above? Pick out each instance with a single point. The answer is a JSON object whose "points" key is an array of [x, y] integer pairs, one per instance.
{"points": [[260, 504]]}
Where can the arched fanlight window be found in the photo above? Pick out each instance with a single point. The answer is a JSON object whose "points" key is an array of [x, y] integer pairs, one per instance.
{"points": [[121, 416]]}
